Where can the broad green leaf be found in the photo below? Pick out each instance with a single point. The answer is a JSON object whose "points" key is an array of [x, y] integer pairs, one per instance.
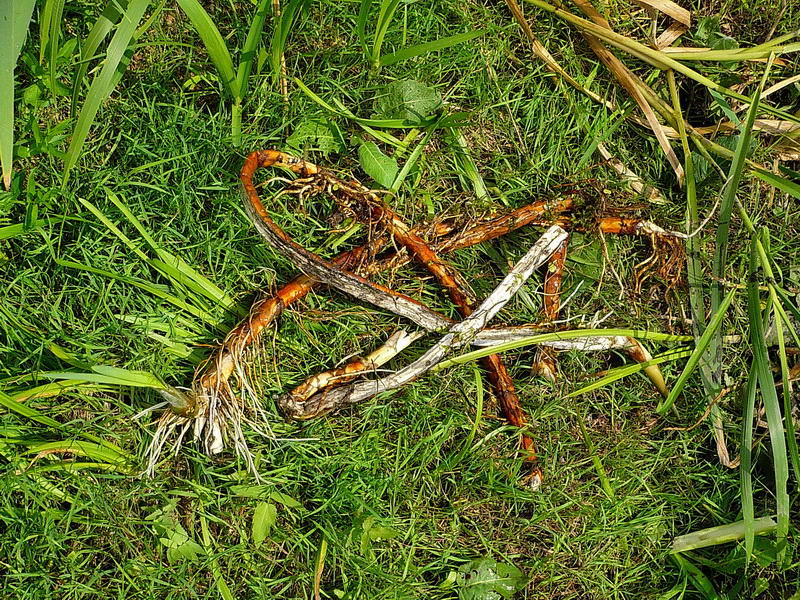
{"points": [[420, 49], [487, 579], [265, 516], [180, 547], [346, 113], [409, 100], [319, 134], [21, 19], [383, 169], [15, 17]]}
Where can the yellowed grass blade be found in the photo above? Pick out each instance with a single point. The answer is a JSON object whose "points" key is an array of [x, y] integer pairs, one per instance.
{"points": [[680, 14], [637, 184], [684, 52], [780, 85], [670, 35], [770, 126], [544, 55], [632, 84]]}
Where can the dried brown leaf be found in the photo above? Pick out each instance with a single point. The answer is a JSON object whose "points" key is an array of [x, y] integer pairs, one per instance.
{"points": [[670, 35], [677, 12]]}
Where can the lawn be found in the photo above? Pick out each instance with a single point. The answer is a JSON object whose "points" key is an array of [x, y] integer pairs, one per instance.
{"points": [[126, 256]]}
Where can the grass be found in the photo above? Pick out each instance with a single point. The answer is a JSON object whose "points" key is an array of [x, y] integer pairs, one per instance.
{"points": [[390, 499]]}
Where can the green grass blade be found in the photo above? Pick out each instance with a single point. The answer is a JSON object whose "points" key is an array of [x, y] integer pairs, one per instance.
{"points": [[412, 160], [33, 414], [15, 18], [735, 54], [123, 208], [694, 269], [113, 228], [50, 390], [787, 302], [179, 272], [729, 197], [602, 475], [745, 467], [212, 40], [701, 582], [28, 412], [701, 346], [782, 183], [769, 394], [385, 15], [722, 534], [420, 49], [111, 15], [81, 448], [281, 34], [45, 17], [248, 52], [102, 87], [150, 288], [11, 231], [56, 12], [560, 335], [723, 229], [780, 319], [361, 27], [466, 164], [169, 265], [621, 372], [110, 376], [155, 13]]}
